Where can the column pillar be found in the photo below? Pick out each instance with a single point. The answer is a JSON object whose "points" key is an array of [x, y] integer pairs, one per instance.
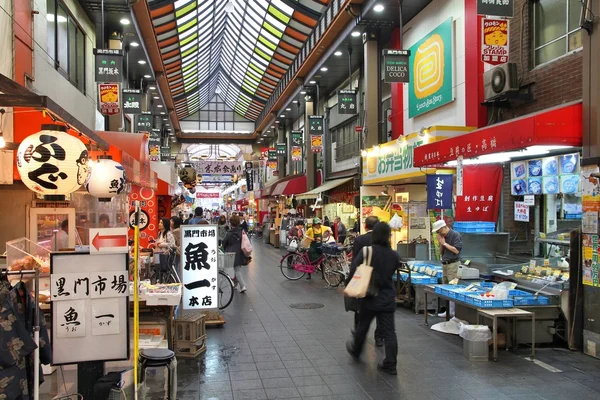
{"points": [[311, 161], [591, 88], [371, 84]]}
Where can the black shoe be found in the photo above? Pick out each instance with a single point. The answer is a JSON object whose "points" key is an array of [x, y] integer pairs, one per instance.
{"points": [[378, 342], [350, 351], [390, 371], [308, 279]]}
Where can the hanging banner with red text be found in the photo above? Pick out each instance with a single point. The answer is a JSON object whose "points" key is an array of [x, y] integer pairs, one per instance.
{"points": [[481, 193], [495, 43], [316, 143], [109, 98], [207, 195]]}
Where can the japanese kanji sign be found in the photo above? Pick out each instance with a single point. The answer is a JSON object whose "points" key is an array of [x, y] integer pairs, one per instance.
{"points": [[495, 43], [395, 64], [272, 155], [480, 201], [297, 138], [218, 167], [109, 63], [207, 195], [521, 211], [315, 124], [154, 145], [165, 153], [215, 178], [296, 153], [249, 171], [109, 98], [281, 149], [199, 269], [498, 8], [347, 102], [439, 192], [132, 101], [144, 122]]}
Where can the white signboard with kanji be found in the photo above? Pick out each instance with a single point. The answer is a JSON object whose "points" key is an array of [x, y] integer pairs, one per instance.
{"points": [[199, 270], [218, 167], [90, 307], [521, 211]]}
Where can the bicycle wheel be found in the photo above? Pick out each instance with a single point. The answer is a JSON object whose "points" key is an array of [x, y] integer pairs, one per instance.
{"points": [[333, 274], [225, 288], [287, 266]]}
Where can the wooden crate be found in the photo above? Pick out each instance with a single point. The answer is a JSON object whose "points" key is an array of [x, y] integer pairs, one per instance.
{"points": [[214, 318], [190, 327], [190, 349]]}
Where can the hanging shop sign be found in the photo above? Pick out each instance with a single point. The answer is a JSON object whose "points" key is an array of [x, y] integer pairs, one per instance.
{"points": [[107, 179], [347, 102], [199, 270], [108, 65], [482, 187], [281, 149], [272, 165], [264, 153], [590, 264], [272, 155], [521, 211], [218, 167], [215, 178], [207, 195], [296, 153], [154, 145], [165, 153], [315, 124], [589, 224], [495, 43], [297, 138], [90, 308], [110, 103], [316, 143], [431, 66], [548, 175], [396, 66], [529, 199], [132, 101], [439, 192], [52, 162], [497, 8], [143, 122], [249, 172]]}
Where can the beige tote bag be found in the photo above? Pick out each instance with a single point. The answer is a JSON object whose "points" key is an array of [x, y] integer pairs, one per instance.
{"points": [[359, 284]]}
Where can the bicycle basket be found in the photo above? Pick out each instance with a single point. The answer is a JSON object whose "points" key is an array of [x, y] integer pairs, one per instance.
{"points": [[226, 260]]}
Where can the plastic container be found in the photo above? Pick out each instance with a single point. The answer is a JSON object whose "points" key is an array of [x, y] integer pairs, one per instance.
{"points": [[476, 351], [474, 227]]}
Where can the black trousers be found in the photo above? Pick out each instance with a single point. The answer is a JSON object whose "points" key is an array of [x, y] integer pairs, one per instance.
{"points": [[378, 334], [385, 322]]}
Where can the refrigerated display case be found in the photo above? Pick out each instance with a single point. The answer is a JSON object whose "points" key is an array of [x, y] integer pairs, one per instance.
{"points": [[45, 227]]}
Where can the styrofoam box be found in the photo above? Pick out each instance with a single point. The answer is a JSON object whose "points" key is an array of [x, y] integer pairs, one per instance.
{"points": [[476, 351]]}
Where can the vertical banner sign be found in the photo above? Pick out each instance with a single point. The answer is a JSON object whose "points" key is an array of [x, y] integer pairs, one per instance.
{"points": [[395, 64], [497, 8], [165, 153], [281, 149], [521, 211], [315, 126], [316, 143], [297, 138], [296, 153], [109, 98], [108, 65], [480, 201], [154, 145], [199, 270], [347, 102], [144, 122], [132, 101], [439, 192], [272, 154], [431, 67], [495, 43], [249, 170], [459, 176], [272, 164]]}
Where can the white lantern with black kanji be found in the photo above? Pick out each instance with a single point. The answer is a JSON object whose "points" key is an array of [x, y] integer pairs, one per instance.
{"points": [[107, 179], [187, 175], [52, 162]]}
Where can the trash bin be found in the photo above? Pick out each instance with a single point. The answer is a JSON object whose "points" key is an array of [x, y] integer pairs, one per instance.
{"points": [[475, 342]]}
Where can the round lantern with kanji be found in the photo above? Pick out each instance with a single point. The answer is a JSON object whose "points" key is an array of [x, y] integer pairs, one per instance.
{"points": [[52, 162], [188, 175], [107, 179]]}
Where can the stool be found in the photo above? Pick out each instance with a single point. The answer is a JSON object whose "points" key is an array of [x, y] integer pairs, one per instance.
{"points": [[154, 358]]}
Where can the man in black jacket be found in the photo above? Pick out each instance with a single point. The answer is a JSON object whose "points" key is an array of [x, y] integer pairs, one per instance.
{"points": [[360, 242]]}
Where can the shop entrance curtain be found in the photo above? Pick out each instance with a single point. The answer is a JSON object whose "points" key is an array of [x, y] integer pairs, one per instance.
{"points": [[481, 193]]}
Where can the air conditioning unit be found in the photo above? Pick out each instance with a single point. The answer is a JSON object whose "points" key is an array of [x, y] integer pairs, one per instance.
{"points": [[500, 80]]}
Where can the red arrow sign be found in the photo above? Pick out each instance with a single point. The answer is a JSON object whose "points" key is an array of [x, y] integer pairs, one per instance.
{"points": [[109, 241]]}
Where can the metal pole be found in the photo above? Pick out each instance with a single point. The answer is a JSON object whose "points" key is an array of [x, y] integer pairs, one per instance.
{"points": [[136, 300], [350, 65], [102, 33], [400, 22]]}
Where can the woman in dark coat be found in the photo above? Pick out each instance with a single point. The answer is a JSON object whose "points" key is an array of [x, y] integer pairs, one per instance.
{"points": [[384, 261], [232, 243]]}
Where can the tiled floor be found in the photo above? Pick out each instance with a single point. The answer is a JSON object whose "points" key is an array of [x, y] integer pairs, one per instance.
{"points": [[270, 351]]}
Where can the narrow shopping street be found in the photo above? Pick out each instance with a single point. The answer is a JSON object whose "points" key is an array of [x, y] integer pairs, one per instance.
{"points": [[268, 350]]}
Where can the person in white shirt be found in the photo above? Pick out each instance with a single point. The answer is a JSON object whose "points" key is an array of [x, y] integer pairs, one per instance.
{"points": [[62, 236]]}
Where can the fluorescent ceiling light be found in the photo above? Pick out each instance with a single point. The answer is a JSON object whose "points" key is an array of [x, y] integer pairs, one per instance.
{"points": [[378, 8], [156, 97], [288, 109], [152, 87], [531, 151], [134, 44], [159, 105], [303, 92], [217, 131], [124, 21], [355, 34], [50, 18], [282, 115], [162, 113], [147, 76], [295, 101], [312, 83], [338, 53], [142, 62], [324, 69]]}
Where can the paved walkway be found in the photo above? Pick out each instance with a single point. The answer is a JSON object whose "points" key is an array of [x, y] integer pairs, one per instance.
{"points": [[269, 351]]}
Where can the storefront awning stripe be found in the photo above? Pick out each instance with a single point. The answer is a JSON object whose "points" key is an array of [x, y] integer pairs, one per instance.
{"points": [[313, 194]]}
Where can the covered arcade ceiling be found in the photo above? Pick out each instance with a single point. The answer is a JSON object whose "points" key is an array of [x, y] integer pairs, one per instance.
{"points": [[236, 48]]}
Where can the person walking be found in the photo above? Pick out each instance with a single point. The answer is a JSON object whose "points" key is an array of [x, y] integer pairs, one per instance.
{"points": [[450, 248], [342, 232], [382, 306], [232, 243], [198, 217], [243, 223], [222, 229]]}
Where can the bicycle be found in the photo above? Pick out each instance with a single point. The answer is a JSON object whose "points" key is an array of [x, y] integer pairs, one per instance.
{"points": [[225, 285], [335, 265], [295, 264]]}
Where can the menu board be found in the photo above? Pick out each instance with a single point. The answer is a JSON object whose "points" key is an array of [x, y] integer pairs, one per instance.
{"points": [[549, 175]]}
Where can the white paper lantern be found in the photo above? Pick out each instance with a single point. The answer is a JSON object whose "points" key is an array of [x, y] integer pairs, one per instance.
{"points": [[52, 162], [188, 175], [107, 179]]}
